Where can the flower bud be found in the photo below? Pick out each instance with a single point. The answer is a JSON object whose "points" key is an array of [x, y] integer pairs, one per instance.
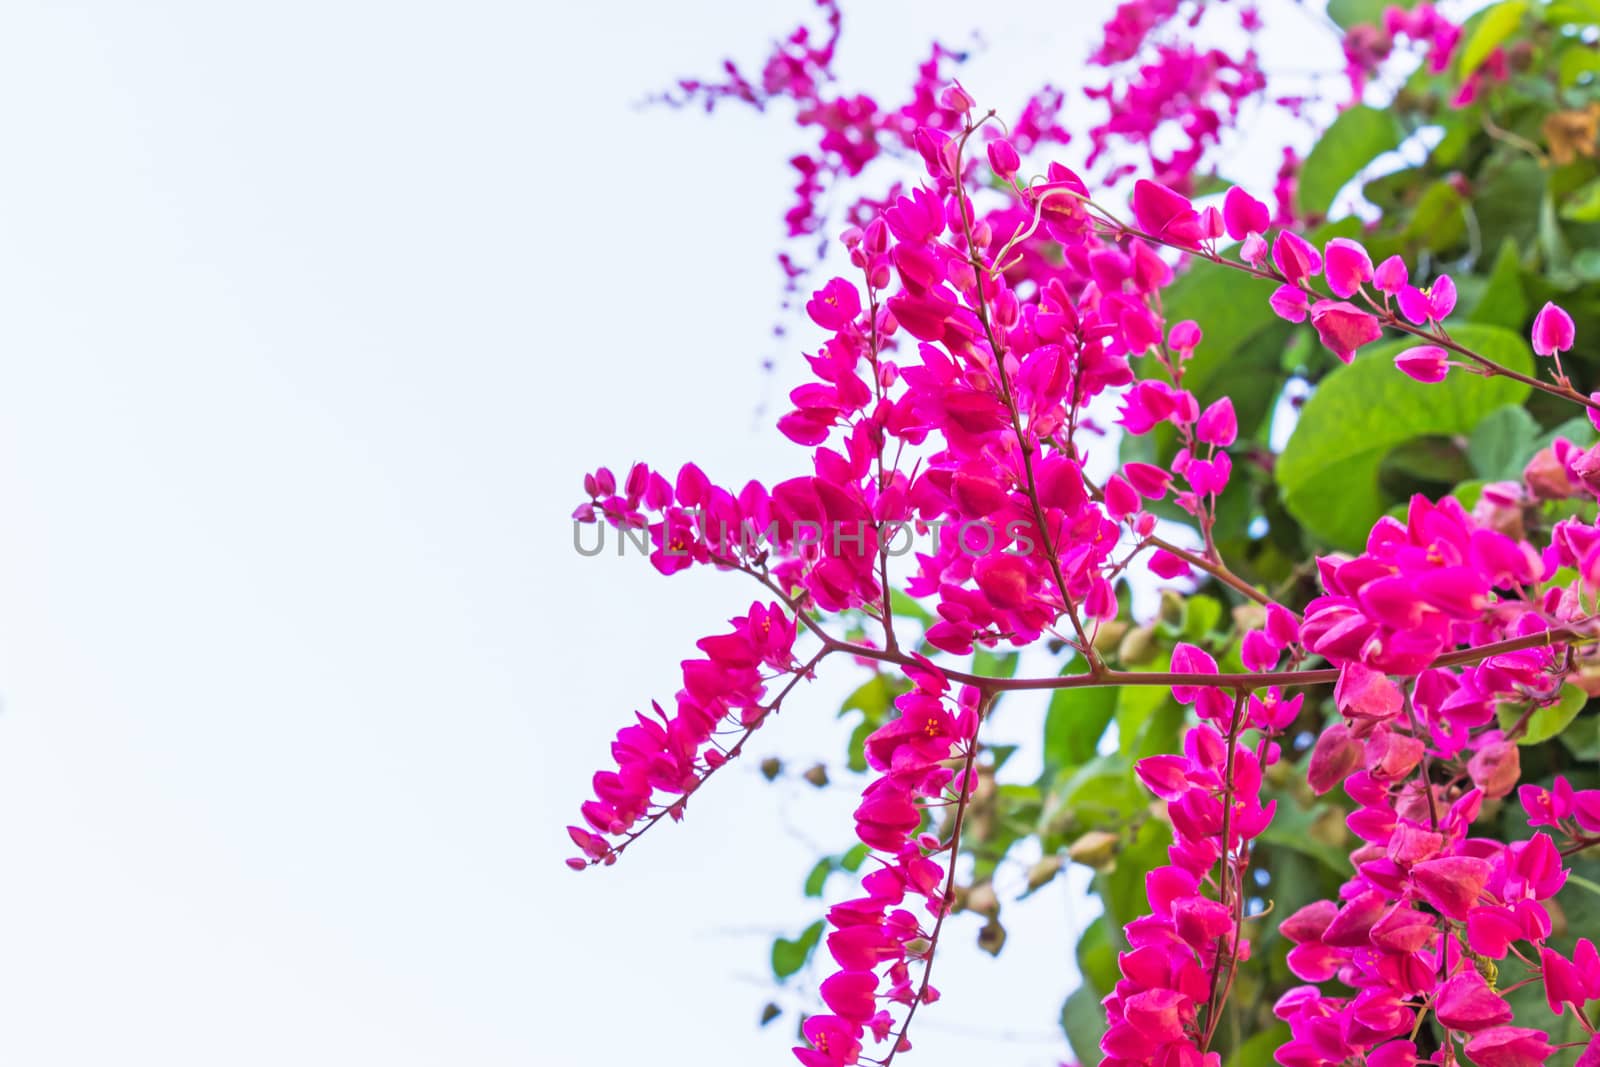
{"points": [[1004, 159]]}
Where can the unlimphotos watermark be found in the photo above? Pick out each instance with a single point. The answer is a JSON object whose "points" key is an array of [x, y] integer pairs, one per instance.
{"points": [[975, 537]]}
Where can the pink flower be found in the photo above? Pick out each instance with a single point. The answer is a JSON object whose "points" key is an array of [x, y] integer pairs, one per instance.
{"points": [[1426, 363], [1165, 215], [1218, 425], [1347, 266], [1390, 277], [1184, 337], [834, 305], [1467, 1003], [1258, 652], [1244, 214], [1254, 250], [1004, 159], [1150, 481], [1290, 303], [1564, 983], [1547, 807], [834, 1042], [1297, 258], [1122, 499], [1334, 758], [1452, 884], [1552, 330], [1496, 767], [1586, 809], [1165, 565], [1490, 931], [852, 995], [1343, 327], [957, 99], [1433, 304], [1508, 1046]]}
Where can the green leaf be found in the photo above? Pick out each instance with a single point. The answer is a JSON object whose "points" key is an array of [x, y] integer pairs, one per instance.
{"points": [[1503, 302], [904, 607], [1328, 473], [1074, 724], [1583, 205], [1242, 345], [871, 698], [1097, 959], [1201, 614], [1578, 429], [1572, 12], [1291, 828], [1122, 888], [1438, 221], [1355, 139], [1586, 265], [1545, 722], [1136, 707], [1582, 739], [1257, 1050], [1578, 60], [993, 664], [789, 956], [1349, 13], [1084, 1021], [1494, 26], [856, 747], [1102, 789], [1502, 444], [1553, 244], [1508, 203], [819, 876]]}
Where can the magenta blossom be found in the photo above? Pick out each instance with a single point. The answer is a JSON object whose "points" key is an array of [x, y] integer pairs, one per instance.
{"points": [[1426, 363], [1343, 327], [1244, 215], [1347, 266], [1166, 215], [1390, 277], [1552, 331], [1432, 304]]}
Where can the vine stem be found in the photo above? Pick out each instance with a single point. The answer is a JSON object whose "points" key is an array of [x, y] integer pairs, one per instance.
{"points": [[1580, 844], [1217, 570], [1578, 631], [1031, 486], [1388, 317], [1226, 889], [986, 701], [729, 756]]}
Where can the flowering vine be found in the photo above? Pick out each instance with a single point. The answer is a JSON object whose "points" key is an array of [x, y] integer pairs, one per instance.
{"points": [[1005, 429]]}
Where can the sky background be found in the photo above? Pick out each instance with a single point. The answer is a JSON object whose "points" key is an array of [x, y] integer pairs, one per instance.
{"points": [[313, 315]]}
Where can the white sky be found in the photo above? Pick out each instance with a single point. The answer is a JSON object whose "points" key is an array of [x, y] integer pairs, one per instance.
{"points": [[313, 315]]}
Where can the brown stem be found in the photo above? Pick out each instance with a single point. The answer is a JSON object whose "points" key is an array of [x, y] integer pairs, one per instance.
{"points": [[981, 306], [1225, 889], [984, 704], [730, 755]]}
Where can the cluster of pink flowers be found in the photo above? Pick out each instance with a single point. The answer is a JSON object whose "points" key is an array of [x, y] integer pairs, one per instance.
{"points": [[670, 755], [876, 939], [973, 437], [1429, 906], [950, 400], [1429, 902], [1367, 47], [853, 129], [1168, 90], [1181, 957]]}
